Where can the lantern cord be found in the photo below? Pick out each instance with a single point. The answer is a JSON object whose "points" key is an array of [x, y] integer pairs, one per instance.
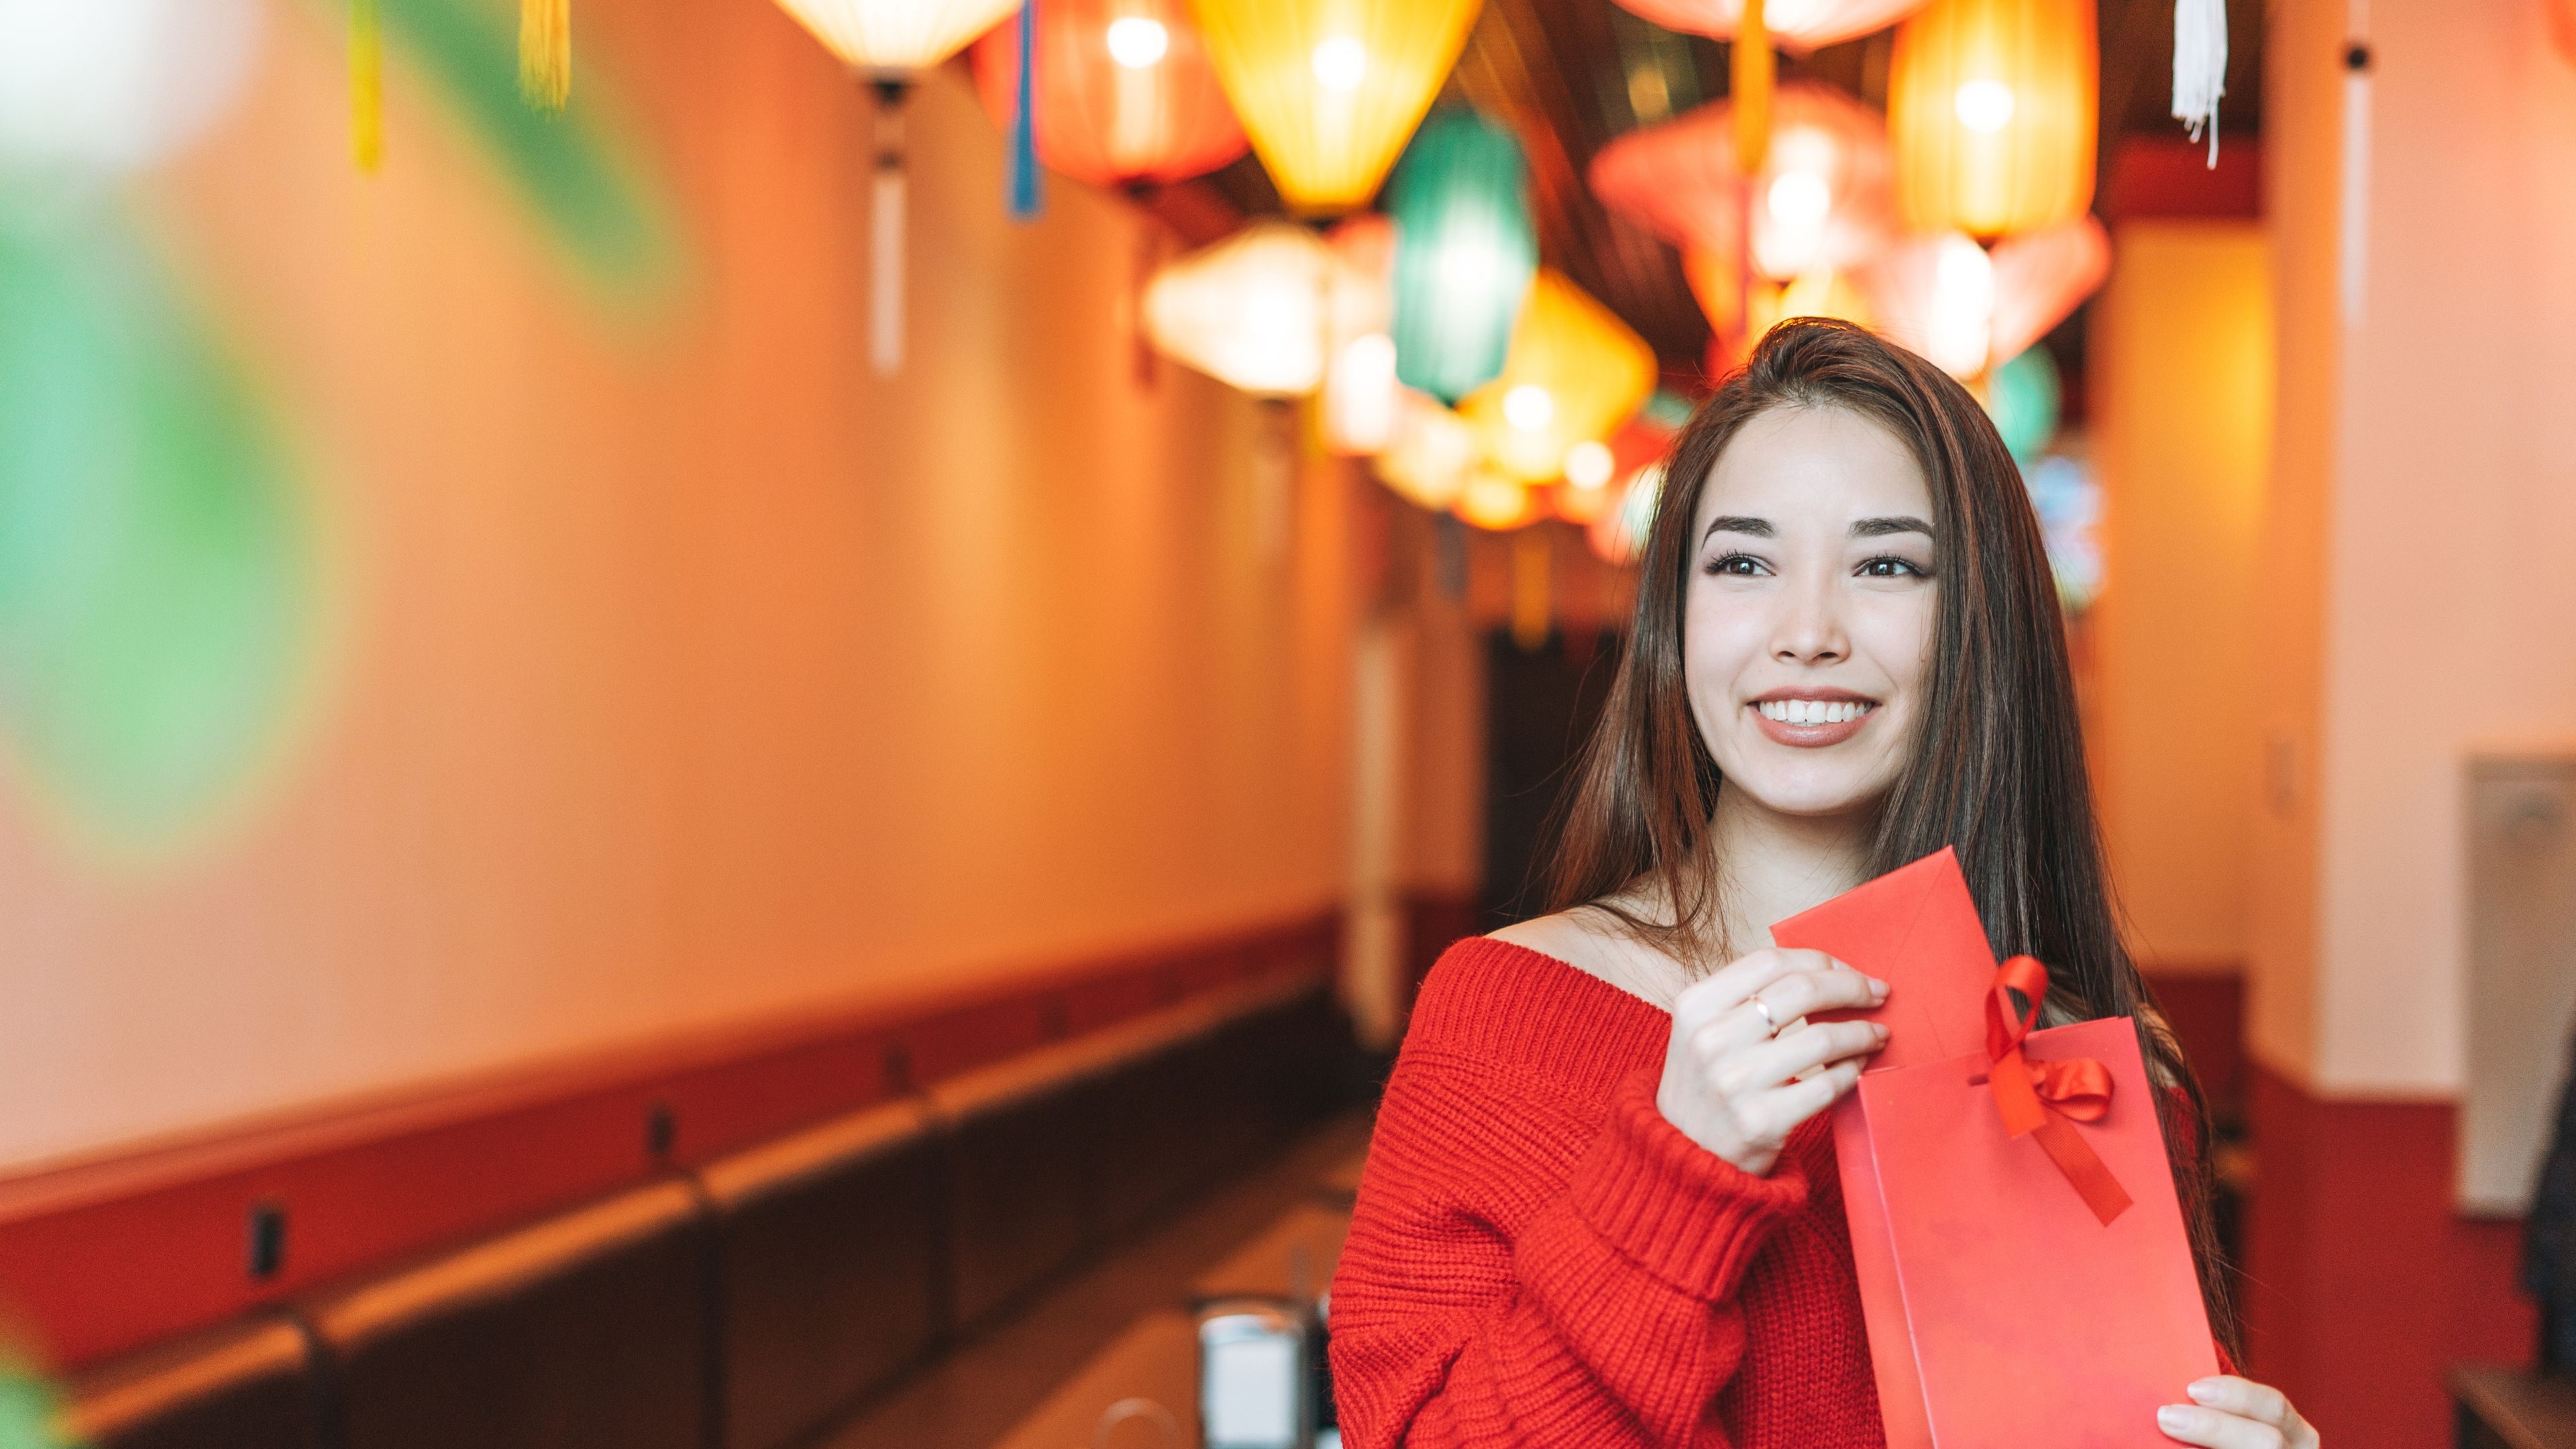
{"points": [[1751, 89], [1026, 201], [2200, 67], [886, 232], [545, 53], [366, 86]]}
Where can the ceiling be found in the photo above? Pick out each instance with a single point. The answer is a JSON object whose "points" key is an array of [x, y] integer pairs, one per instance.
{"points": [[1569, 75]]}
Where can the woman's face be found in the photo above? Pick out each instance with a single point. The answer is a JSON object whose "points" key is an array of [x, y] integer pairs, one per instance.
{"points": [[1807, 624]]}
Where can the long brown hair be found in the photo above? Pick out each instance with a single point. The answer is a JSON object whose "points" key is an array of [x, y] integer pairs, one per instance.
{"points": [[1997, 768]]}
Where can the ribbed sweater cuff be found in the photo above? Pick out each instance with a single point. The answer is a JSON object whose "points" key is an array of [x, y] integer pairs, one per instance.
{"points": [[1673, 1207]]}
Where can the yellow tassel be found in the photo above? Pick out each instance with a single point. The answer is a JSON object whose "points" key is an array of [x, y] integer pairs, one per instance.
{"points": [[545, 53], [366, 85], [1752, 90]]}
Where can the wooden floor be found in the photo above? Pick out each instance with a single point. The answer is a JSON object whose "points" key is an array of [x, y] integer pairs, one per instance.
{"points": [[973, 1398]]}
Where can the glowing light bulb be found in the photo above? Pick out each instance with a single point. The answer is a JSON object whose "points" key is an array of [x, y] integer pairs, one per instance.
{"points": [[1341, 63], [1984, 105], [1135, 41], [1528, 407], [1588, 465], [1800, 200], [1962, 323]]}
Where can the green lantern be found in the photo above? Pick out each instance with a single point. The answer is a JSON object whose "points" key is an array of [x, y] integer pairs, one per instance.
{"points": [[2023, 396], [1465, 251]]}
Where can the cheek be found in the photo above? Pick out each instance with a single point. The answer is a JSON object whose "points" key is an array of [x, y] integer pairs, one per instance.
{"points": [[1896, 635], [1720, 637]]}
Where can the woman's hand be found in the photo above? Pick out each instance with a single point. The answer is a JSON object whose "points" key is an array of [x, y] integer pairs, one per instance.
{"points": [[2232, 1413], [1734, 1081]]}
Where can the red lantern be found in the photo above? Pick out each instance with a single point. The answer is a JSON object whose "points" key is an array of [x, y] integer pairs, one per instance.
{"points": [[1967, 309], [1823, 198], [1125, 93]]}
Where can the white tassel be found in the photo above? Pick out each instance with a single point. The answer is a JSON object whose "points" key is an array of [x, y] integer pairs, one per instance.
{"points": [[2200, 67]]}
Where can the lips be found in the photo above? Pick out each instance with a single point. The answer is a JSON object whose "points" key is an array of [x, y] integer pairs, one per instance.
{"points": [[1812, 720]]}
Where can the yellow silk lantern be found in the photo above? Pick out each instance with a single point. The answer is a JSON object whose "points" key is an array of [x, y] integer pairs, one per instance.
{"points": [[1991, 106], [1330, 89], [889, 43], [1431, 453], [1493, 501], [1252, 311], [1574, 374]]}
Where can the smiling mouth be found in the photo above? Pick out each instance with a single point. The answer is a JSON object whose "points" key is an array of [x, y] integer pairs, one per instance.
{"points": [[1815, 711]]}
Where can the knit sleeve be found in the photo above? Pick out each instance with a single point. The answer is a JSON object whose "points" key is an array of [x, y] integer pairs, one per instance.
{"points": [[1610, 1318]]}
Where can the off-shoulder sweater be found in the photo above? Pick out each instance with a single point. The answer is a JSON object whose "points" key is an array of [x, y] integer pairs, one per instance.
{"points": [[1539, 1258]]}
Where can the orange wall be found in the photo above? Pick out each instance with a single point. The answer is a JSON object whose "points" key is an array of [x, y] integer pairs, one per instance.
{"points": [[2430, 455], [2182, 390], [684, 672]]}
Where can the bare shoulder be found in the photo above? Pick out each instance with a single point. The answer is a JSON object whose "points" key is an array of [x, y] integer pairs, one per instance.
{"points": [[1591, 942]]}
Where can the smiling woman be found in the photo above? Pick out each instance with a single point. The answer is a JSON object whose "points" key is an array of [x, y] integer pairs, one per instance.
{"points": [[1607, 1123]]}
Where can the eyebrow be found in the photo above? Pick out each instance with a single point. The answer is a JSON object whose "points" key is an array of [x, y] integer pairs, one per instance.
{"points": [[1864, 528]]}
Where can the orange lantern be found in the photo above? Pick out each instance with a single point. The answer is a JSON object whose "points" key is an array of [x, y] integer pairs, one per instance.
{"points": [[1493, 501], [1822, 197], [1992, 107], [1431, 454], [1965, 308], [1330, 89], [1799, 25], [1125, 93], [1362, 399], [1574, 374]]}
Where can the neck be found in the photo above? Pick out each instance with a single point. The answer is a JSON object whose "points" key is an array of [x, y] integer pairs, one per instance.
{"points": [[1778, 865]]}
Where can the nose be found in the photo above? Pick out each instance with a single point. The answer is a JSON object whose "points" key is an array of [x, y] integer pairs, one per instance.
{"points": [[1810, 627]]}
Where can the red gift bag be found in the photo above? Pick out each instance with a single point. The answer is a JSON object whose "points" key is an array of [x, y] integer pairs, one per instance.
{"points": [[1917, 929]]}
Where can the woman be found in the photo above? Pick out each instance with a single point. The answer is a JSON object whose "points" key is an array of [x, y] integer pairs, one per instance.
{"points": [[1601, 1206]]}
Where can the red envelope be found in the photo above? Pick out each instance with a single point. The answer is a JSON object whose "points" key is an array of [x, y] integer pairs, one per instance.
{"points": [[1915, 928], [2032, 1320]]}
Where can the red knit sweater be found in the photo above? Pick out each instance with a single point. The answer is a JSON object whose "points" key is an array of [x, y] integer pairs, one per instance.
{"points": [[1539, 1258]]}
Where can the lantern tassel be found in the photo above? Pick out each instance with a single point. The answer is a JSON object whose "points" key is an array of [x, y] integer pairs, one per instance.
{"points": [[1752, 89], [545, 53], [366, 85], [2200, 67], [1026, 202], [886, 233]]}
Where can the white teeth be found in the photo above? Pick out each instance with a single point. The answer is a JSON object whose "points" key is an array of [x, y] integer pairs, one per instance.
{"points": [[1813, 711]]}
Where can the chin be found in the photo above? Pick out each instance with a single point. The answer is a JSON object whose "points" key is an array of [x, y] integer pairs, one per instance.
{"points": [[1814, 793]]}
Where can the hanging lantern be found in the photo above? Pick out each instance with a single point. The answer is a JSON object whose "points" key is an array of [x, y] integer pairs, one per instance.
{"points": [[1575, 373], [1124, 91], [1252, 311], [1362, 398], [1950, 300], [1466, 248], [1796, 25], [1330, 89], [1496, 502], [1822, 197], [1991, 104], [1431, 454], [2025, 397], [889, 43]]}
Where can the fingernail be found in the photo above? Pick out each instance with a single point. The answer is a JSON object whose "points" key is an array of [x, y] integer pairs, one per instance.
{"points": [[2202, 1390], [2170, 1417], [1877, 989], [1881, 1030]]}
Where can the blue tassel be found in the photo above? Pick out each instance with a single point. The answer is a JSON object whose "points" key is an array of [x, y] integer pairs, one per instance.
{"points": [[1026, 202]]}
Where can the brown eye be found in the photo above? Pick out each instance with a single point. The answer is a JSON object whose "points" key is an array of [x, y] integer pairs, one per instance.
{"points": [[1890, 567], [1742, 565]]}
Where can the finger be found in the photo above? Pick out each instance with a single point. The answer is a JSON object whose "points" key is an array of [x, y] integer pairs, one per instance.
{"points": [[1804, 993], [1759, 969], [2216, 1428], [2243, 1397], [1795, 1103], [1778, 1060], [1702, 1002]]}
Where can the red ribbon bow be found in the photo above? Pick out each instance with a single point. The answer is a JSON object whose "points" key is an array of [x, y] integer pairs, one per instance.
{"points": [[2025, 1091]]}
